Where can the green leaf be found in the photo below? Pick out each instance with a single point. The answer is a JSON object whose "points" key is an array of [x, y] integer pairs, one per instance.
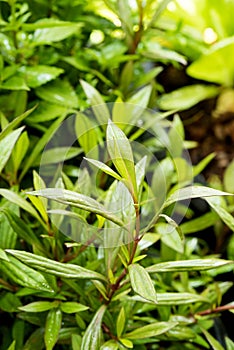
{"points": [[35, 338], [54, 267], [22, 229], [58, 92], [228, 178], [3, 255], [76, 342], [40, 145], [142, 283], [193, 192], [15, 83], [105, 168], [214, 66], [98, 105], [38, 306], [24, 275], [87, 134], [39, 74], [120, 322], [6, 146], [9, 302], [20, 201], [50, 30], [92, 336], [12, 346], [20, 150], [57, 155], [213, 342], [174, 298], [46, 111], [229, 343], [77, 200], [121, 155], [187, 96], [222, 212], [109, 345], [15, 122], [170, 235], [52, 328], [71, 307], [151, 330], [127, 343], [187, 265]]}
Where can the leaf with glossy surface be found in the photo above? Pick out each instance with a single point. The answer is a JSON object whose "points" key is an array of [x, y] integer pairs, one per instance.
{"points": [[38, 75], [52, 328], [92, 336], [221, 211], [193, 192], [213, 342], [71, 307], [151, 330], [24, 275], [38, 306], [58, 92], [105, 168], [142, 283], [99, 107], [77, 200], [6, 146], [54, 267], [214, 66], [121, 155], [187, 265]]}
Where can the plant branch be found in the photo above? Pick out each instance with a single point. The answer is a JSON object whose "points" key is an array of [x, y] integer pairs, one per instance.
{"points": [[216, 310]]}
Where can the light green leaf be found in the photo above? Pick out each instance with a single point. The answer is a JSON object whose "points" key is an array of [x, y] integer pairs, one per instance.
{"points": [[40, 145], [127, 343], [228, 178], [99, 107], [15, 122], [222, 212], [105, 168], [187, 96], [187, 265], [15, 83], [52, 328], [76, 341], [151, 330], [46, 111], [50, 30], [121, 155], [214, 66], [170, 235], [20, 150], [174, 298], [213, 342], [229, 343], [92, 336], [20, 201], [142, 283], [109, 345], [57, 155], [54, 267], [12, 346], [120, 323], [155, 51], [87, 134], [77, 200], [38, 306], [24, 275], [71, 307], [58, 92], [38, 75], [3, 255], [6, 146], [198, 168], [193, 192]]}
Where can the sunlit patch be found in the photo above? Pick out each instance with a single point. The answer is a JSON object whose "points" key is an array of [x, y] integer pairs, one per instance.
{"points": [[136, 28], [188, 5], [171, 6], [209, 36], [118, 34], [97, 37]]}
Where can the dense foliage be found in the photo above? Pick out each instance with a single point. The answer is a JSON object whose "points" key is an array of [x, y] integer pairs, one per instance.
{"points": [[102, 227]]}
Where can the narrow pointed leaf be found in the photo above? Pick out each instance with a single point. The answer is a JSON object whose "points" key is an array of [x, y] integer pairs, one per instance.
{"points": [[222, 212], [187, 265], [71, 307], [24, 275], [213, 342], [77, 200], [92, 336], [121, 155], [6, 146], [105, 168], [52, 328], [142, 283], [193, 192], [37, 306], [151, 330], [54, 267]]}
